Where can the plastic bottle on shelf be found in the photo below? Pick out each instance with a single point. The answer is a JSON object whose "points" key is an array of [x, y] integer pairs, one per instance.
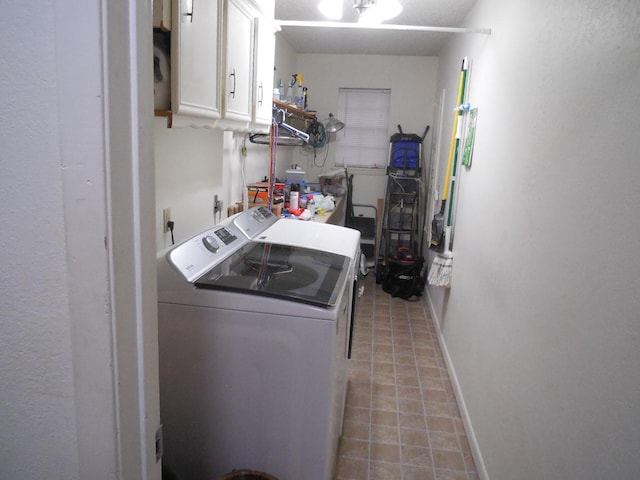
{"points": [[311, 205]]}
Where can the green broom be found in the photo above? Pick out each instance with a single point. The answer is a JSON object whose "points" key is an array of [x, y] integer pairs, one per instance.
{"points": [[440, 272]]}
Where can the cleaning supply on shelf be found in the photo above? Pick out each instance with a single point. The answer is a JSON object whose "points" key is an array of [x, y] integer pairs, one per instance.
{"points": [[299, 98], [292, 84], [311, 206], [283, 93], [294, 197]]}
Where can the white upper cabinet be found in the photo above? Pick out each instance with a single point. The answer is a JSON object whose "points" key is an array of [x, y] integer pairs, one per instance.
{"points": [[196, 58], [239, 62], [264, 52], [222, 56], [162, 14]]}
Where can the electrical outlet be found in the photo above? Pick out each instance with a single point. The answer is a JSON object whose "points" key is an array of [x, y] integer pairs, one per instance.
{"points": [[166, 217]]}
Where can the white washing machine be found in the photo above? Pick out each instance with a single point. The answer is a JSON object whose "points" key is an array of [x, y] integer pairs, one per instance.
{"points": [[255, 318]]}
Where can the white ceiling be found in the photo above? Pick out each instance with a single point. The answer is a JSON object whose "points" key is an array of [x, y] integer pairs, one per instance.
{"points": [[433, 13]]}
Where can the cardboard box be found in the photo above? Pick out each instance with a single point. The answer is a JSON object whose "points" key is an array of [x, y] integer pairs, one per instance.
{"points": [[260, 191], [331, 178]]}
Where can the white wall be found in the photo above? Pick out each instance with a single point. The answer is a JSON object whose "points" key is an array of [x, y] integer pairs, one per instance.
{"points": [[193, 165], [412, 81], [74, 370], [188, 174], [541, 322], [37, 419]]}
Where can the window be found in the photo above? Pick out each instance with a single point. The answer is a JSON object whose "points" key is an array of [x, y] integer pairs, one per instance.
{"points": [[364, 141]]}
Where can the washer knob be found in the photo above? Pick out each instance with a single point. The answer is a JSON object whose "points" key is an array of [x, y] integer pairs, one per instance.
{"points": [[211, 243]]}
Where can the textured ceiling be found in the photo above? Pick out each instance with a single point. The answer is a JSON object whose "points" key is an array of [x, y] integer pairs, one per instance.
{"points": [[433, 13]]}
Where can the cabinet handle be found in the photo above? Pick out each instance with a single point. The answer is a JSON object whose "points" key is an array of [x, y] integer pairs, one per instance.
{"points": [[233, 90], [261, 95], [189, 10]]}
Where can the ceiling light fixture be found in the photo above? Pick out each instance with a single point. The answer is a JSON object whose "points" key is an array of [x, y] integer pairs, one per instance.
{"points": [[331, 9], [362, 5], [377, 11]]}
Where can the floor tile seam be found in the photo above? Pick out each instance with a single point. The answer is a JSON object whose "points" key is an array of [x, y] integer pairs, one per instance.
{"points": [[420, 388], [439, 356], [346, 455], [445, 449], [403, 461], [371, 380], [452, 470], [395, 379]]}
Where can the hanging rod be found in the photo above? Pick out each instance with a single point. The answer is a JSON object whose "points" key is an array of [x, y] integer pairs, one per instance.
{"points": [[414, 28]]}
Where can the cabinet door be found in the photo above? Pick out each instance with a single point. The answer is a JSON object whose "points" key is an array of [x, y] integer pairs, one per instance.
{"points": [[265, 46], [196, 58], [239, 59], [162, 14]]}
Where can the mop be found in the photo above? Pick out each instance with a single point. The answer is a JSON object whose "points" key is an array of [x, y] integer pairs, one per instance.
{"points": [[442, 266]]}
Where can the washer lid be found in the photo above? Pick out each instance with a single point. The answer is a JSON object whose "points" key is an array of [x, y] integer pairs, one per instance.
{"points": [[315, 235], [287, 272]]}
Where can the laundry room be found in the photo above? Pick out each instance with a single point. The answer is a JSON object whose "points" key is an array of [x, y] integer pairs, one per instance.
{"points": [[194, 165], [520, 360]]}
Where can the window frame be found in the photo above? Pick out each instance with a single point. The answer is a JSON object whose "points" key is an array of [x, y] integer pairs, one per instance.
{"points": [[365, 139]]}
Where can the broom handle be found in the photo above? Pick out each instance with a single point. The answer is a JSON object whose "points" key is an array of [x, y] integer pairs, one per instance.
{"points": [[452, 144], [458, 135]]}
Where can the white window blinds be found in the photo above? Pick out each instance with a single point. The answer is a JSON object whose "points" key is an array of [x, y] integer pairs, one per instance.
{"points": [[364, 142]]}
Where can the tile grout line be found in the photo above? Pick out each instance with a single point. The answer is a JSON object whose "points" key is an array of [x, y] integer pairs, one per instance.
{"points": [[372, 383], [395, 382], [424, 409], [452, 415], [394, 322], [371, 379]]}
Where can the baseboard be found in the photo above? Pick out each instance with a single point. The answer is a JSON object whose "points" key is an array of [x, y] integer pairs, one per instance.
{"points": [[471, 436]]}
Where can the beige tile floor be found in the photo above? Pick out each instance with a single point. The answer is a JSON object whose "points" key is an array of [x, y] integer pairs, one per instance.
{"points": [[402, 421]]}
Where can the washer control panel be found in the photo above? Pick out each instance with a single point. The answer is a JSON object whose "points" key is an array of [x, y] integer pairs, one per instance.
{"points": [[194, 257], [254, 221]]}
